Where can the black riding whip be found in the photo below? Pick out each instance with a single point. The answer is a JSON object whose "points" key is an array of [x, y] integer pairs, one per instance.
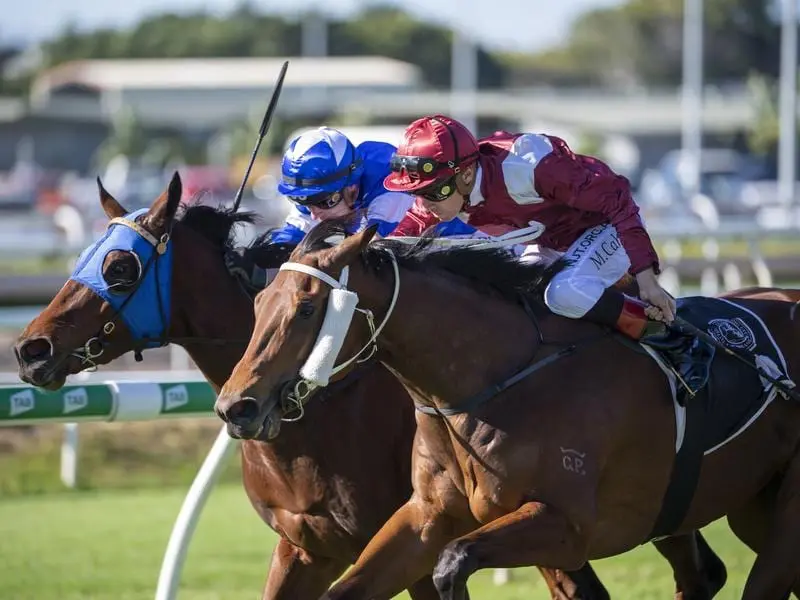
{"points": [[262, 132]]}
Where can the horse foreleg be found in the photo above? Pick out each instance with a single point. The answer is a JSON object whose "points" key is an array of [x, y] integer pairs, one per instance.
{"points": [[776, 567], [294, 574], [534, 534], [699, 573], [401, 553]]}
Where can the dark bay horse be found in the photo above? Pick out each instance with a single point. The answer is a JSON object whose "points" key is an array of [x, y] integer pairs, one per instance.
{"points": [[314, 483], [491, 485]]}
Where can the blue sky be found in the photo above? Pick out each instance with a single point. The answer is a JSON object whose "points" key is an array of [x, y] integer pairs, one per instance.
{"points": [[514, 24]]}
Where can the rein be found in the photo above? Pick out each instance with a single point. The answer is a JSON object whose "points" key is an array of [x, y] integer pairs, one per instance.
{"points": [[516, 237], [487, 394]]}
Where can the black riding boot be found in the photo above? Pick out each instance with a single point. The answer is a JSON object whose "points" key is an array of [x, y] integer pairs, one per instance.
{"points": [[690, 357]]}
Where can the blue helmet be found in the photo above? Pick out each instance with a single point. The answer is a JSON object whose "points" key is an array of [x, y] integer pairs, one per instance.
{"points": [[319, 161]]}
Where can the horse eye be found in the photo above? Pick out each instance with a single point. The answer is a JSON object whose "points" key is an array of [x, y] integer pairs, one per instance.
{"points": [[306, 309], [121, 274]]}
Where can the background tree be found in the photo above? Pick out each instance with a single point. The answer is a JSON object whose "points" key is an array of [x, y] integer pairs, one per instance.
{"points": [[377, 30], [640, 43]]}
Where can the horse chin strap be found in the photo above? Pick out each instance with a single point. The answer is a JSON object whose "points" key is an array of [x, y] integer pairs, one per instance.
{"points": [[303, 386]]}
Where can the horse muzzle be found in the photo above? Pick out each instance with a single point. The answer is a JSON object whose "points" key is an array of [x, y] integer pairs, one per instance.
{"points": [[248, 418], [39, 365]]}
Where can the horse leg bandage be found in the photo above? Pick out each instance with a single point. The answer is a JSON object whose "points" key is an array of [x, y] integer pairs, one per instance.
{"points": [[320, 363]]}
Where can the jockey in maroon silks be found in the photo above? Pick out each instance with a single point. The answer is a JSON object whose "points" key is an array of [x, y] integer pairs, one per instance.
{"points": [[510, 181]]}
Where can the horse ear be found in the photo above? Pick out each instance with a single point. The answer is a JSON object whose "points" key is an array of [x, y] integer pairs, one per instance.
{"points": [[162, 212], [353, 245], [111, 207]]}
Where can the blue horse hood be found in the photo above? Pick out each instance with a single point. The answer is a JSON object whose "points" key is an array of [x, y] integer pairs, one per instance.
{"points": [[145, 309]]}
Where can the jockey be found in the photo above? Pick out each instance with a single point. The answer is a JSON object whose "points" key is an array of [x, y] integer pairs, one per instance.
{"points": [[509, 181], [325, 176]]}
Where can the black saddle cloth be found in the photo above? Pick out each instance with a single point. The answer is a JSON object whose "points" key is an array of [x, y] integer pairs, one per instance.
{"points": [[731, 394], [728, 396]]}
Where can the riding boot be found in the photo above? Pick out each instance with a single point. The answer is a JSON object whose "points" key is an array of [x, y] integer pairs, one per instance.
{"points": [[688, 356], [626, 315]]}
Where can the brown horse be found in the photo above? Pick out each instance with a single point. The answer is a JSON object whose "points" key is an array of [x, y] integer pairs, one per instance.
{"points": [[323, 524], [314, 483], [496, 483]]}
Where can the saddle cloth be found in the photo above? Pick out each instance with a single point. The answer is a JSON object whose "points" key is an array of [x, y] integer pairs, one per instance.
{"points": [[734, 396], [732, 399]]}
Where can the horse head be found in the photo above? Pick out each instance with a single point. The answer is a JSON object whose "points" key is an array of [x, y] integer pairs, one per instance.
{"points": [[303, 324], [104, 308], [154, 277]]}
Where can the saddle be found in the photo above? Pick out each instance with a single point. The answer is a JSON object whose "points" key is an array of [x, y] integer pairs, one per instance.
{"points": [[731, 325]]}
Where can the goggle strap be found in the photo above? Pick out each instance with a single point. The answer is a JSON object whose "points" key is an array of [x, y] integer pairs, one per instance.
{"points": [[308, 182]]}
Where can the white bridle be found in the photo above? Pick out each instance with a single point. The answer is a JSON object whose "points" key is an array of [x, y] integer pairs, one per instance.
{"points": [[342, 303]]}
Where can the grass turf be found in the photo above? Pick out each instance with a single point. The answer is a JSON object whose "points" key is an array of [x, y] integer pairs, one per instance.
{"points": [[109, 545]]}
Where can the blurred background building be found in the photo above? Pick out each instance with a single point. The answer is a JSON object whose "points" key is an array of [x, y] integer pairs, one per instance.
{"points": [[131, 93]]}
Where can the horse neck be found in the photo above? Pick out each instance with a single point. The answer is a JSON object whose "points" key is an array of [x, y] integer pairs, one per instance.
{"points": [[208, 304], [447, 341]]}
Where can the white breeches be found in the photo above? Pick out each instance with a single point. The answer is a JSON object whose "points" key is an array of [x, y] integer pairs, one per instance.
{"points": [[598, 262]]}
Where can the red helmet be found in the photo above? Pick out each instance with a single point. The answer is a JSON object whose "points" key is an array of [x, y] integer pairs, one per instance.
{"points": [[434, 148]]}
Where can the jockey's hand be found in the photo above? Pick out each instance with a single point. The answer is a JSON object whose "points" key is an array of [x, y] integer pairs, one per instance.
{"points": [[239, 264], [663, 304]]}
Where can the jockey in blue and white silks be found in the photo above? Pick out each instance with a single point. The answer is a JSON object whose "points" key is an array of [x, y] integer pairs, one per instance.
{"points": [[325, 176]]}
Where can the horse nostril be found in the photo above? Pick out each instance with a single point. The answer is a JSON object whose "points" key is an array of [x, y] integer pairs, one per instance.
{"points": [[32, 349], [242, 412], [220, 413]]}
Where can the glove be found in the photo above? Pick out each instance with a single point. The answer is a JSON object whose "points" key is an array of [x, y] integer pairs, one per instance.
{"points": [[241, 266]]}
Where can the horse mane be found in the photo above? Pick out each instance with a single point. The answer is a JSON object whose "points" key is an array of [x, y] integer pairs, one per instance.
{"points": [[218, 226], [488, 268]]}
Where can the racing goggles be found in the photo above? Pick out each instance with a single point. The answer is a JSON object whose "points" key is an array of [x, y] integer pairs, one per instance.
{"points": [[325, 200], [419, 165], [439, 191]]}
